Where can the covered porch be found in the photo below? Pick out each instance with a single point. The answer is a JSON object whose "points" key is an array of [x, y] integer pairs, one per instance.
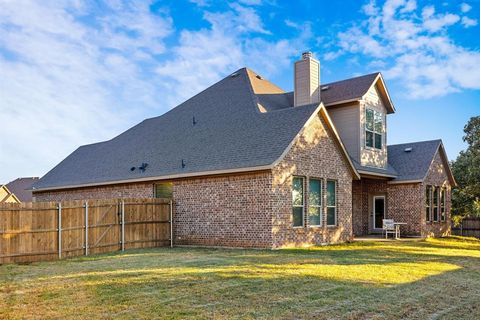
{"points": [[374, 200]]}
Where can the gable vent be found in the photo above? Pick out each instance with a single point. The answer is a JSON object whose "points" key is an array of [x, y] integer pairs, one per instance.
{"points": [[408, 149]]}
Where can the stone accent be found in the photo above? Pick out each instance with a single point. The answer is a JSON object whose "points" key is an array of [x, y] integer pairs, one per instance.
{"points": [[314, 155]]}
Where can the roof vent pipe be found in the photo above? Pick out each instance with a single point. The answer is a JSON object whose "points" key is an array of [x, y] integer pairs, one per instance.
{"points": [[306, 80]]}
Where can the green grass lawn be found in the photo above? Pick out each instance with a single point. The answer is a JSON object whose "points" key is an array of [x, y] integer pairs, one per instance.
{"points": [[433, 279]]}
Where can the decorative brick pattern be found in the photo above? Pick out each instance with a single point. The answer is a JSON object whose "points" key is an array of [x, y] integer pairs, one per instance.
{"points": [[313, 155]]}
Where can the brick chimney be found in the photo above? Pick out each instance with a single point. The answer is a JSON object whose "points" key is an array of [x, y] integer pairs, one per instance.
{"points": [[307, 80]]}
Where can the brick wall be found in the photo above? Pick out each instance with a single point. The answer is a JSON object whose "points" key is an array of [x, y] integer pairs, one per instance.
{"points": [[233, 211], [405, 205], [437, 176], [131, 190], [313, 155]]}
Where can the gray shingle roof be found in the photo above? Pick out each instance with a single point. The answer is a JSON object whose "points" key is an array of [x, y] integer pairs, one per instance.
{"points": [[412, 165], [355, 88], [349, 89], [229, 133], [389, 171]]}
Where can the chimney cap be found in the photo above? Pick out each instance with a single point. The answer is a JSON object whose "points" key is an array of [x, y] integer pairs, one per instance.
{"points": [[307, 54]]}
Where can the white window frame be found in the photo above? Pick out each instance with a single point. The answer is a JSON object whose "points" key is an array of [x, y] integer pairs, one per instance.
{"points": [[375, 113], [303, 203], [319, 206], [329, 206]]}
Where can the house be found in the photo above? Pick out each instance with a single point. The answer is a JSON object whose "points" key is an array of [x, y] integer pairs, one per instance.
{"points": [[21, 187], [6, 196], [250, 165]]}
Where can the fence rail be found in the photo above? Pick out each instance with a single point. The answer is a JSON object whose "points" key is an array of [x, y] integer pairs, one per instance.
{"points": [[470, 227], [37, 231]]}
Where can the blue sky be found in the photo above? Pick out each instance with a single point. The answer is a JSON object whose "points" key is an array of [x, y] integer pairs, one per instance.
{"points": [[78, 72]]}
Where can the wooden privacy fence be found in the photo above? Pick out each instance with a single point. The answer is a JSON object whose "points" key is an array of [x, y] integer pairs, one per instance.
{"points": [[470, 227], [37, 231]]}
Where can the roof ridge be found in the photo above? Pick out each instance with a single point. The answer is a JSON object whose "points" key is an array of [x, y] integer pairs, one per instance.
{"points": [[353, 78], [423, 141]]}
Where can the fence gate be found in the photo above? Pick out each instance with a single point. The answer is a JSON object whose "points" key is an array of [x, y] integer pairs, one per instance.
{"points": [[48, 230]]}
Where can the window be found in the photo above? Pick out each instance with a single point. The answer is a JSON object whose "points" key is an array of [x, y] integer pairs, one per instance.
{"points": [[428, 203], [442, 204], [331, 203], [297, 201], [315, 202], [164, 190], [435, 203], [373, 129]]}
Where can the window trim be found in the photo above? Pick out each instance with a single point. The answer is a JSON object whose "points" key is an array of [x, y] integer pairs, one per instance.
{"points": [[334, 206], [320, 206], [374, 131], [303, 203]]}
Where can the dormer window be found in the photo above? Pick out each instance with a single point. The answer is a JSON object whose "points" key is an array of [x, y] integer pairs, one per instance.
{"points": [[373, 129]]}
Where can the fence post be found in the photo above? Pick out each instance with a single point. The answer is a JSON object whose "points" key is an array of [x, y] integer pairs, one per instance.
{"points": [[123, 224], [171, 223], [59, 230], [86, 228]]}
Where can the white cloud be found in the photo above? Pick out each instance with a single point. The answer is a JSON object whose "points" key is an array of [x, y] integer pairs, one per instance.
{"points": [[465, 7], [70, 83], [468, 22], [413, 48]]}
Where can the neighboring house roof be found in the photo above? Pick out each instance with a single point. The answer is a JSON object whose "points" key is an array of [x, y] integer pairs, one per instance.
{"points": [[222, 129], [412, 160], [21, 187], [6, 196]]}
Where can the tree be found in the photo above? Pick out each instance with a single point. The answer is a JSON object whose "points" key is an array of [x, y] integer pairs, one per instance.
{"points": [[466, 169]]}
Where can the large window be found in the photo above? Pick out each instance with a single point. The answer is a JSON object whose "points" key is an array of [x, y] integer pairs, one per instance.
{"points": [[315, 202], [298, 201], [435, 203], [164, 190], [331, 202], [442, 204], [428, 203], [373, 129]]}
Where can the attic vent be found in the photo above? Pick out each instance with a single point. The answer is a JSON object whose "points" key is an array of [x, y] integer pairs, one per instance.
{"points": [[259, 77], [233, 75], [408, 149], [324, 88]]}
